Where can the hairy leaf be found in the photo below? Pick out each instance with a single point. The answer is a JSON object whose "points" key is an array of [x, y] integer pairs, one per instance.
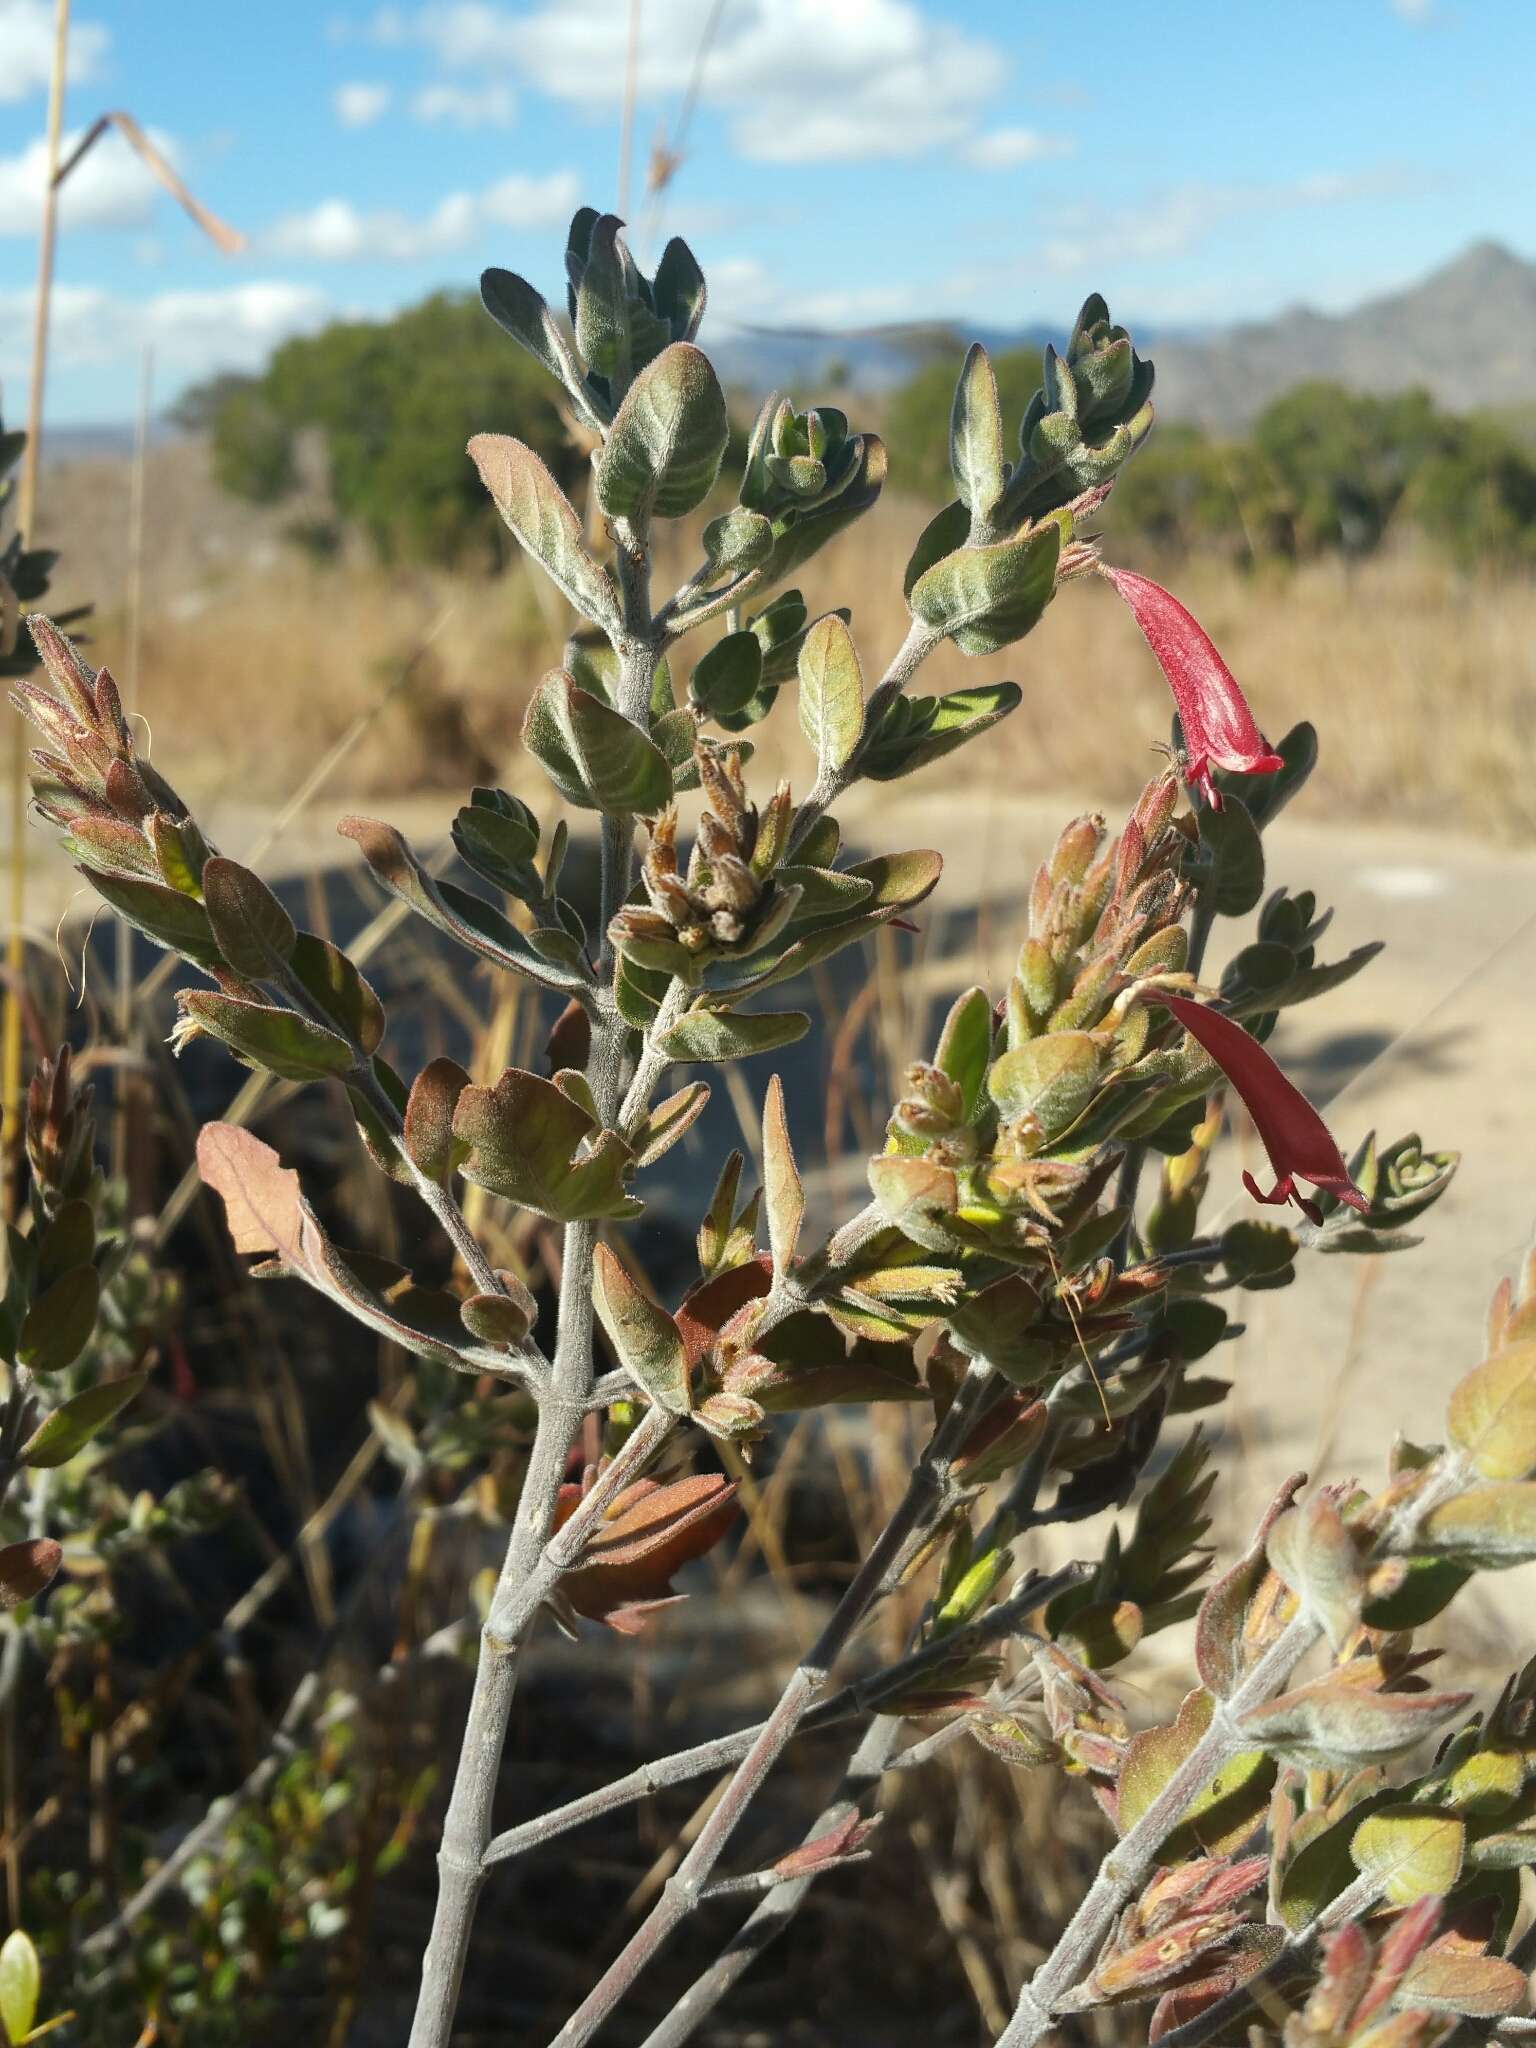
{"points": [[67, 1431], [976, 435], [831, 694], [540, 1148], [262, 1035], [663, 450], [985, 598], [1412, 1852], [254, 932], [645, 1337], [784, 1197], [540, 514], [724, 1035]]}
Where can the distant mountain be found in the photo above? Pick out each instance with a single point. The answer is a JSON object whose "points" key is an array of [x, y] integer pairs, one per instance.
{"points": [[804, 361], [1467, 333]]}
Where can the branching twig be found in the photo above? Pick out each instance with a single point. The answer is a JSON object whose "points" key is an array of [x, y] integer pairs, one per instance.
{"points": [[874, 1575]]}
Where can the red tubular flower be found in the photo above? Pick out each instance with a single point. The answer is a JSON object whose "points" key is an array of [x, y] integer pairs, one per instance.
{"points": [[1294, 1135], [1219, 729]]}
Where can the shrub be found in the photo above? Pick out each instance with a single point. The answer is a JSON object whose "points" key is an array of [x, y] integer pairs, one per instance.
{"points": [[391, 404], [1010, 1276], [1322, 470]]}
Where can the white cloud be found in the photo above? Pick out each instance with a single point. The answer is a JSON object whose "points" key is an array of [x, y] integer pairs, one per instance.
{"points": [[466, 106], [524, 202], [26, 40], [743, 292], [336, 231], [193, 333], [358, 105], [1415, 11], [800, 81], [111, 187], [1002, 149], [1172, 223]]}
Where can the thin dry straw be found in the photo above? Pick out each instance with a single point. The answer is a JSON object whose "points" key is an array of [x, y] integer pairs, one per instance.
{"points": [[224, 237]]}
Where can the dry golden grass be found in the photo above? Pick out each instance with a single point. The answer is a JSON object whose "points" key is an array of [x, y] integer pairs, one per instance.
{"points": [[254, 660]]}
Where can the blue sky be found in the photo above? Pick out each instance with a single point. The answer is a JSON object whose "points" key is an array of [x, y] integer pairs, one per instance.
{"points": [[850, 162]]}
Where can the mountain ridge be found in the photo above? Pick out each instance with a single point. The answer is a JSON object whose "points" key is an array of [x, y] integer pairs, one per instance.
{"points": [[1466, 332]]}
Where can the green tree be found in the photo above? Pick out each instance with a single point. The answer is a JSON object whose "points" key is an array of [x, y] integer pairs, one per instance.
{"points": [[393, 404], [1477, 496], [1343, 459], [917, 421]]}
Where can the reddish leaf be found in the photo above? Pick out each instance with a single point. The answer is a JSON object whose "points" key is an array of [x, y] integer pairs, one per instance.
{"points": [[650, 1533]]}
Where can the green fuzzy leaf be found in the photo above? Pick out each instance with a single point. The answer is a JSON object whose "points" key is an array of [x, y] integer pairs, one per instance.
{"points": [[965, 1047], [1219, 1818], [68, 1241], [831, 695], [515, 306], [58, 1325], [72, 1425], [825, 893], [946, 532], [736, 542], [1492, 1413], [898, 881], [780, 627], [976, 435], [1052, 1079], [647, 1341], [539, 513], [465, 917], [525, 1135], [21, 1977], [1491, 1527], [668, 1121], [602, 315], [663, 451], [722, 1035], [1411, 1851], [985, 598], [1429, 1587], [340, 990], [167, 917], [593, 755], [638, 991], [798, 535], [679, 290], [931, 727], [498, 836], [262, 1035], [253, 931], [728, 677], [1329, 1723], [1320, 1865], [180, 852], [783, 1193], [1237, 856]]}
